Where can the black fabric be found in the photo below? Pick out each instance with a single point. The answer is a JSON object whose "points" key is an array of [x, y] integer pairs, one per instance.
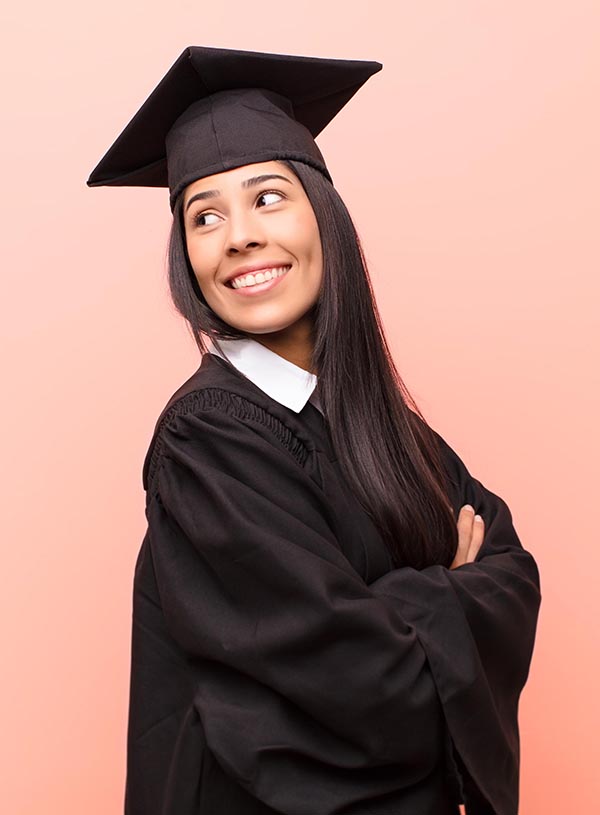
{"points": [[220, 108], [279, 663]]}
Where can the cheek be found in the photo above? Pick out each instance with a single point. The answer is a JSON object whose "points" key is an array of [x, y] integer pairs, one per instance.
{"points": [[314, 245], [305, 233], [201, 258], [193, 254]]}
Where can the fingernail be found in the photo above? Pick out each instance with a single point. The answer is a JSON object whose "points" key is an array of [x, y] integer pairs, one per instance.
{"points": [[469, 508], [478, 518]]}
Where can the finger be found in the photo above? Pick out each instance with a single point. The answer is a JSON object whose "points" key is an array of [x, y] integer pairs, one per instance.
{"points": [[476, 538], [465, 526]]}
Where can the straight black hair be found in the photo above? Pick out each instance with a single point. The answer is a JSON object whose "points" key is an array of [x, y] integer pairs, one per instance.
{"points": [[389, 455]]}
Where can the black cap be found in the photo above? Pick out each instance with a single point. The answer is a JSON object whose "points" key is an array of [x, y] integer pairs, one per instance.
{"points": [[218, 108]]}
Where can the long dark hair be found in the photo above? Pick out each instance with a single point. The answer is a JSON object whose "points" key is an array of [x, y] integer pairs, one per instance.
{"points": [[387, 451]]}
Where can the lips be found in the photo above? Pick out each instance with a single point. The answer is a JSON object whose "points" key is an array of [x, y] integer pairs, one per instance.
{"points": [[254, 269], [256, 288]]}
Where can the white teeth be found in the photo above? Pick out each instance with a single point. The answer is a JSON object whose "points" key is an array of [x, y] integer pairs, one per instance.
{"points": [[259, 277]]}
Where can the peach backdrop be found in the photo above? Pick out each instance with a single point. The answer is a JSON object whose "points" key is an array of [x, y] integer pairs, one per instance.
{"points": [[470, 165]]}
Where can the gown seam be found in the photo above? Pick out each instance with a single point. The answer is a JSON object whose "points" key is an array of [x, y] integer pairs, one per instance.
{"points": [[234, 405]]}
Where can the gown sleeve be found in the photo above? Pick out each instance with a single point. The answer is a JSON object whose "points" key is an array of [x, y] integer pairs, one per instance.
{"points": [[477, 625], [311, 684]]}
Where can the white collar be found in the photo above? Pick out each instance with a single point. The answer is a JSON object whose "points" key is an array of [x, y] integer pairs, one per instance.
{"points": [[279, 378]]}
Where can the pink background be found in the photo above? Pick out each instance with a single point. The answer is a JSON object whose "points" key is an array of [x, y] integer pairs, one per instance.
{"points": [[470, 165]]}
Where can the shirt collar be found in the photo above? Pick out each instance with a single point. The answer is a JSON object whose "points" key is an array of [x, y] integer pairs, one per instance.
{"points": [[279, 378]]}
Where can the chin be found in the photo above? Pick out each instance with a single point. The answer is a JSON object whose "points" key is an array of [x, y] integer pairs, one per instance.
{"points": [[265, 326], [264, 329]]}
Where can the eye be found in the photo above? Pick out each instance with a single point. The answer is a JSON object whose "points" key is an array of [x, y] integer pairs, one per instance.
{"points": [[269, 192], [200, 215]]}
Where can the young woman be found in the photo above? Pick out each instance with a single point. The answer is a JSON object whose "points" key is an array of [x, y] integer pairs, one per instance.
{"points": [[331, 615]]}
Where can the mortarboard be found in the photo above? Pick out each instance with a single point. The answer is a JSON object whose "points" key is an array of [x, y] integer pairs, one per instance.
{"points": [[216, 109]]}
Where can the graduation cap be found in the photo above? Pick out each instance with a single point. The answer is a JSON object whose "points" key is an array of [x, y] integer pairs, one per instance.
{"points": [[217, 108]]}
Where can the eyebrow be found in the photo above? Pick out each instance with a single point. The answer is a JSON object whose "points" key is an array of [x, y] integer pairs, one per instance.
{"points": [[249, 182]]}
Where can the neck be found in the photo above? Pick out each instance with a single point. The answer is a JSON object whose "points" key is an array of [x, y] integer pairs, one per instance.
{"points": [[294, 343]]}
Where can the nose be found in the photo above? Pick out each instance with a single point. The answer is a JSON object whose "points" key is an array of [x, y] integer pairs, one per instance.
{"points": [[244, 232]]}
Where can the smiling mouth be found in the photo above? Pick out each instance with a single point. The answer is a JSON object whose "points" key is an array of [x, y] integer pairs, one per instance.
{"points": [[252, 279]]}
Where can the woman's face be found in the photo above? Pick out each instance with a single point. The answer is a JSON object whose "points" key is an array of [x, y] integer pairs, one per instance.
{"points": [[245, 220]]}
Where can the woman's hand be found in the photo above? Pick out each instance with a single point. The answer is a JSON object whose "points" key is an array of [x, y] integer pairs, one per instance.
{"points": [[470, 536]]}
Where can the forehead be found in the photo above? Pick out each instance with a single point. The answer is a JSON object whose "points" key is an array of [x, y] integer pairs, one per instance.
{"points": [[231, 179]]}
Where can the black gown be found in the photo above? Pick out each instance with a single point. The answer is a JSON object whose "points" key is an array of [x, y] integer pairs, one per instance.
{"points": [[279, 663]]}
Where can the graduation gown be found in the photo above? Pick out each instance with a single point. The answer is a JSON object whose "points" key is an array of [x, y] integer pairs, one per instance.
{"points": [[279, 663]]}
